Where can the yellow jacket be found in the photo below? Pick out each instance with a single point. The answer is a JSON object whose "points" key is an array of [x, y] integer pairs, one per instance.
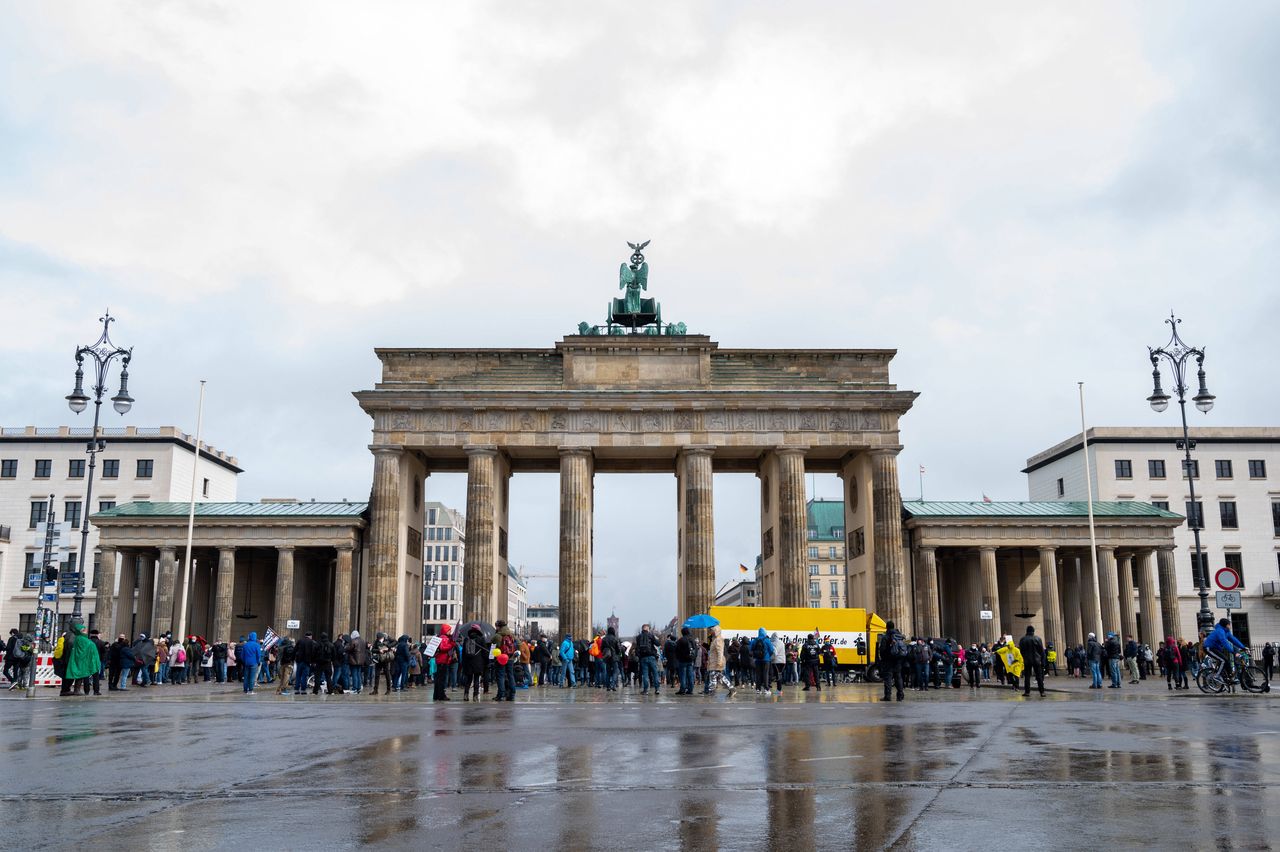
{"points": [[1012, 659]]}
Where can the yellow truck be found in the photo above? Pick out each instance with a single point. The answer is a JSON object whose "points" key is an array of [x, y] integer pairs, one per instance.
{"points": [[854, 632]]}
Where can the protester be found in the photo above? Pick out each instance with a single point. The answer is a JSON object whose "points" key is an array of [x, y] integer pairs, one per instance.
{"points": [[1033, 661], [892, 653]]}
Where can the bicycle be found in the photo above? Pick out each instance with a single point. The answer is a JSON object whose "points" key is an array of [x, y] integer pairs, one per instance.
{"points": [[1211, 679]]}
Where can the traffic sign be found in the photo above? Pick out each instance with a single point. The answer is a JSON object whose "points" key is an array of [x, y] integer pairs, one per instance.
{"points": [[1229, 600], [49, 598], [35, 579], [986, 614], [1227, 578]]}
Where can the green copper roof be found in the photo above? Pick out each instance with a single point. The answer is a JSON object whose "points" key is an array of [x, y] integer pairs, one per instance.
{"points": [[1041, 509], [825, 519], [148, 509]]}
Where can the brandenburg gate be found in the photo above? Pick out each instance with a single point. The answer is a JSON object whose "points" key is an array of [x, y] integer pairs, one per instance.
{"points": [[635, 395]]}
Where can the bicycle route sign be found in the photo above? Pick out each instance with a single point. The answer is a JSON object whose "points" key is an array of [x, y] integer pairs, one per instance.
{"points": [[1229, 600], [1227, 579]]}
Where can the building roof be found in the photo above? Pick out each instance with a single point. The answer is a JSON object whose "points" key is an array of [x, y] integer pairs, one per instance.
{"points": [[1039, 509], [1155, 435], [825, 520], [148, 509], [119, 434]]}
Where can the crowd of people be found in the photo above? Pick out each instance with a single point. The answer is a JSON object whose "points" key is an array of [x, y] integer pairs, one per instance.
{"points": [[495, 657]]}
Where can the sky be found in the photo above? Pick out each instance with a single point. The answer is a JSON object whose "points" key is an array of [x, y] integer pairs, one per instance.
{"points": [[1013, 196]]}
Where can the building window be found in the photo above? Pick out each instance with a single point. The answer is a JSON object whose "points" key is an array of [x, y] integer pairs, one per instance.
{"points": [[32, 568], [813, 553], [831, 552], [1227, 514], [1236, 562], [431, 516], [75, 469], [71, 513], [1124, 469], [1201, 572], [110, 468], [813, 570], [835, 588], [1257, 469], [104, 505], [1155, 468], [1193, 466], [8, 469], [814, 590], [204, 488], [1062, 490], [44, 468], [1161, 504], [1222, 468], [835, 569], [39, 510], [144, 468], [1275, 517], [97, 563], [27, 623], [1195, 515]]}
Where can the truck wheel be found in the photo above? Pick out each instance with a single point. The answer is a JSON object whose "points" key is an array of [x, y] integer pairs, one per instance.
{"points": [[873, 674]]}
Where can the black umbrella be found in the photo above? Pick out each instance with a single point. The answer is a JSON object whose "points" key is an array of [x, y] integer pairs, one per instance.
{"points": [[487, 630]]}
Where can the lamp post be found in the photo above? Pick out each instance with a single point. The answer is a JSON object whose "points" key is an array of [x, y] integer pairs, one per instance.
{"points": [[1178, 353], [103, 353]]}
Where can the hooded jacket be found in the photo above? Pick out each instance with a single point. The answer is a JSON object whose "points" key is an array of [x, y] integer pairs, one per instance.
{"points": [[715, 653], [566, 649], [82, 656], [446, 645], [1221, 639], [144, 651], [1012, 659], [357, 650], [762, 640], [251, 651]]}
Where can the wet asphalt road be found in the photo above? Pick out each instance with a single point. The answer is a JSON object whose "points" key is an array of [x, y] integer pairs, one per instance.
{"points": [[197, 768]]}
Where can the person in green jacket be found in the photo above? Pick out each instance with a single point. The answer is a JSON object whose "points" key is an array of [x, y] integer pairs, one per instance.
{"points": [[83, 661]]}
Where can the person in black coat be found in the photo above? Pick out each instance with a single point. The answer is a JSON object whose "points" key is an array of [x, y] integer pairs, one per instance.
{"points": [[890, 663], [1033, 657]]}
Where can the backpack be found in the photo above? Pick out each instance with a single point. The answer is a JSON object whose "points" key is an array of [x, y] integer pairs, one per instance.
{"points": [[595, 647], [898, 648], [923, 654], [508, 645], [21, 650], [757, 649], [472, 648]]}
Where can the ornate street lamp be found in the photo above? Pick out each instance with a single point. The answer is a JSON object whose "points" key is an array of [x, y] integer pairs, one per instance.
{"points": [[1178, 353], [103, 353]]}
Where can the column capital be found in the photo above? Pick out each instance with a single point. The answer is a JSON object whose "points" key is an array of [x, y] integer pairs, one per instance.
{"points": [[1107, 548], [698, 450], [222, 551], [577, 451], [927, 548], [790, 451], [385, 450], [1167, 548], [170, 549], [284, 548], [988, 548], [881, 452], [1048, 548], [345, 546], [481, 450]]}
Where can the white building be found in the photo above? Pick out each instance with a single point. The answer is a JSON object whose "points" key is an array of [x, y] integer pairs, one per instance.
{"points": [[1236, 496], [517, 600], [737, 593], [444, 548], [138, 464], [544, 619]]}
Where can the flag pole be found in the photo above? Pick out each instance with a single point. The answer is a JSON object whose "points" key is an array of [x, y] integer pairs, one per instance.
{"points": [[1088, 485], [191, 517]]}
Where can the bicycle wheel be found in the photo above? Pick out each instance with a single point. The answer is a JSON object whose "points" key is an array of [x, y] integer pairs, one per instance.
{"points": [[1210, 682], [1253, 679]]}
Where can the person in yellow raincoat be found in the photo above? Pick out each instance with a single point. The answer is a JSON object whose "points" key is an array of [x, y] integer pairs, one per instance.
{"points": [[1012, 659]]}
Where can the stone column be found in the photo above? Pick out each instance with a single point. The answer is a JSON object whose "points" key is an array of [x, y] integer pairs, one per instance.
{"points": [[342, 591], [696, 525], [1090, 607], [146, 595], [1108, 590], [104, 606], [1069, 578], [973, 596], [163, 619], [793, 528], [224, 596], [892, 601], [124, 602], [1049, 600], [1170, 617], [384, 541], [577, 469], [179, 582], [478, 574], [990, 592], [284, 588], [929, 621], [1151, 621], [1128, 615]]}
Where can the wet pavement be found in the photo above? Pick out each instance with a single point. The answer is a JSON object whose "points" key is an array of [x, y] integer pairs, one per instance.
{"points": [[205, 767]]}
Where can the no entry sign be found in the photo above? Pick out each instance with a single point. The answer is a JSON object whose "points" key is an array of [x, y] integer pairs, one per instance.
{"points": [[1227, 579]]}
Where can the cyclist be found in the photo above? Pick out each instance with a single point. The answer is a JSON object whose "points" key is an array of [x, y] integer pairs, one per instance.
{"points": [[1220, 644]]}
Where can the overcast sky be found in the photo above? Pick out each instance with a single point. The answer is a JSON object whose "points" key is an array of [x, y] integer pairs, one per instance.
{"points": [[263, 192]]}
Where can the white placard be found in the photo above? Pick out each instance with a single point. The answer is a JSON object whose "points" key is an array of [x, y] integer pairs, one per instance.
{"points": [[292, 624], [985, 614]]}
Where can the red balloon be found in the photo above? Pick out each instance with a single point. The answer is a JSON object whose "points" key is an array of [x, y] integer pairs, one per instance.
{"points": [[502, 659]]}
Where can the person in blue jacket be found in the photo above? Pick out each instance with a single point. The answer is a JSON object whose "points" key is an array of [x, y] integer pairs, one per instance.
{"points": [[566, 656], [762, 656], [249, 655], [1220, 644]]}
